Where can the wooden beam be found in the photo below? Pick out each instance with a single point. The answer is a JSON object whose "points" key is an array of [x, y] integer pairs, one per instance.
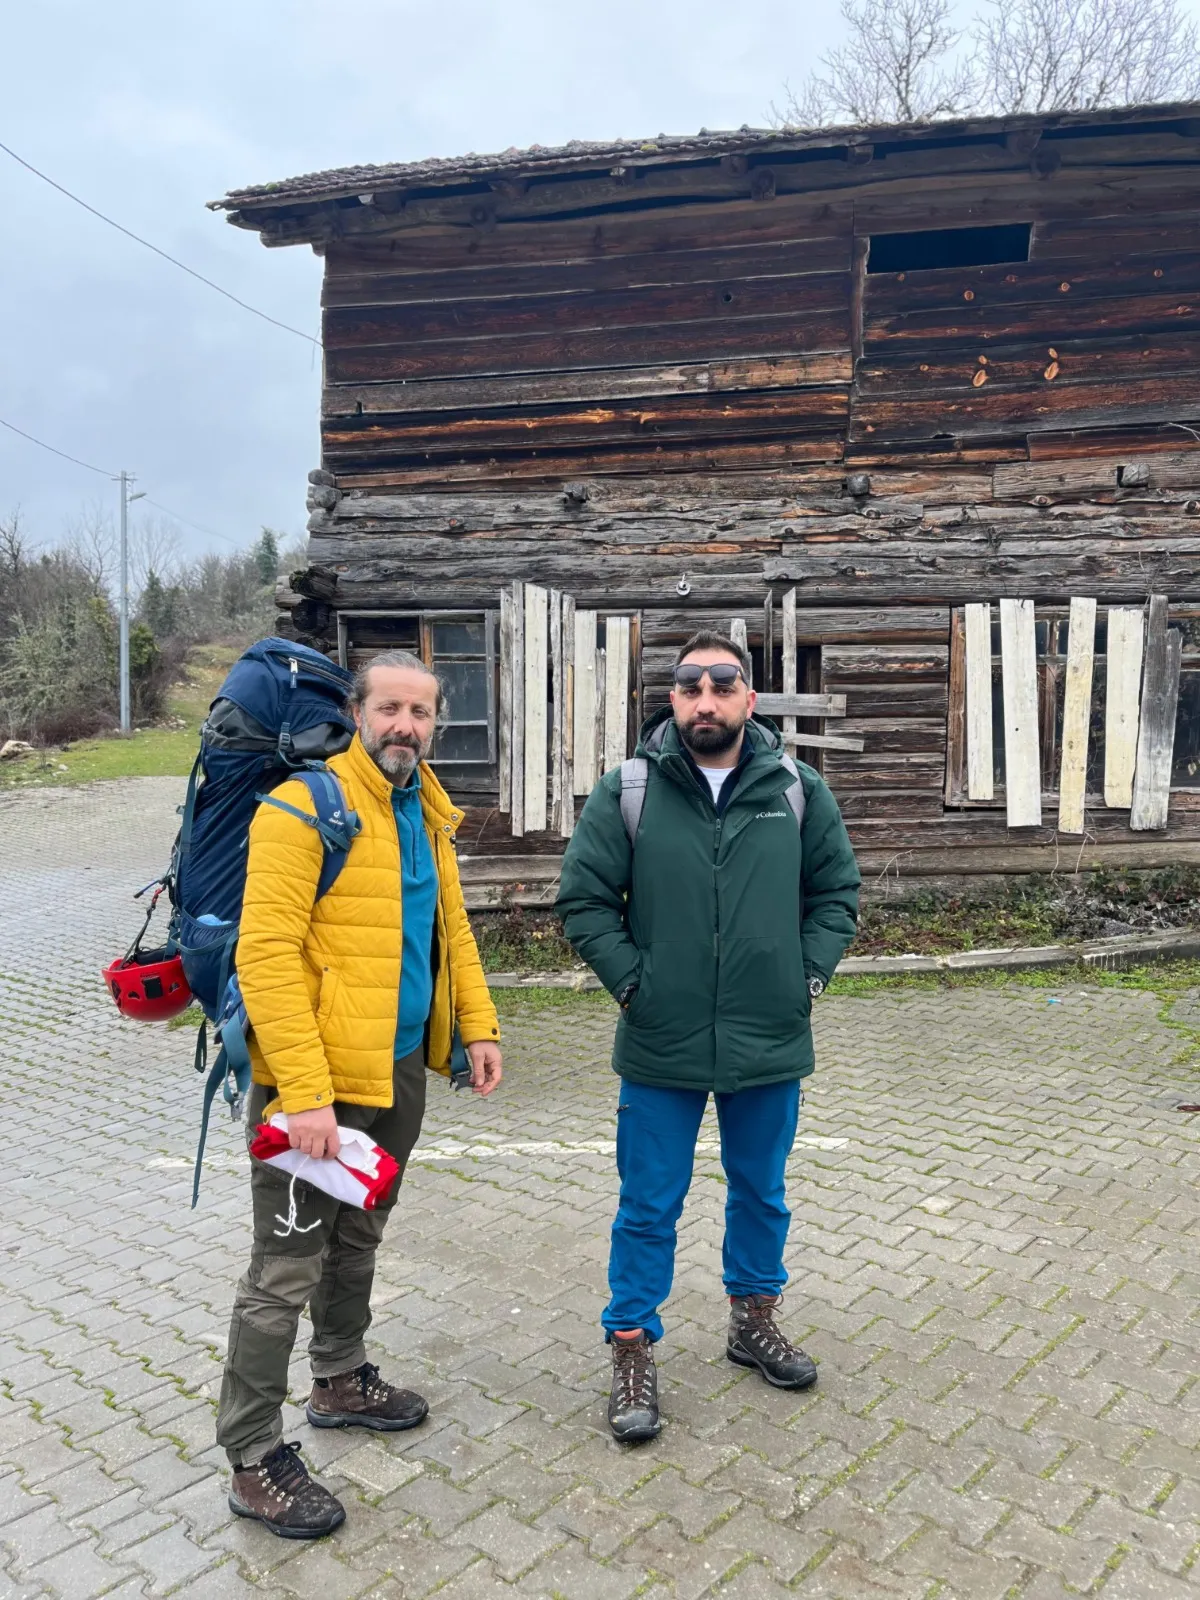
{"points": [[792, 705], [824, 741], [1126, 638], [616, 690], [788, 605], [587, 706], [1018, 658], [504, 710], [517, 725], [565, 735], [1077, 715], [1156, 730], [536, 667], [737, 632], [980, 756], [557, 708]]}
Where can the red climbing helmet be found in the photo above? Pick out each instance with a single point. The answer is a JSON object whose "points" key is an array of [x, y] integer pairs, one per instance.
{"points": [[149, 984]]}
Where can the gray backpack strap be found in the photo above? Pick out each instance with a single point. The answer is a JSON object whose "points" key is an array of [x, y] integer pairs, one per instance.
{"points": [[794, 794], [634, 774]]}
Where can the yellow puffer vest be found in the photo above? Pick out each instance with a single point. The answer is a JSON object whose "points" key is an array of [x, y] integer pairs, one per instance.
{"points": [[321, 981]]}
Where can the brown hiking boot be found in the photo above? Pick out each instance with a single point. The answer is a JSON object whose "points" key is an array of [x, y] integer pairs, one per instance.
{"points": [[633, 1403], [756, 1341], [362, 1399], [279, 1493]]}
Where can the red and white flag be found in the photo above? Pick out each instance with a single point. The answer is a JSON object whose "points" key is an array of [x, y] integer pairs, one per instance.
{"points": [[361, 1174]]}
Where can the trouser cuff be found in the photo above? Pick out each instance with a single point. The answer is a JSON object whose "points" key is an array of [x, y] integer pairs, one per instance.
{"points": [[253, 1454], [338, 1366]]}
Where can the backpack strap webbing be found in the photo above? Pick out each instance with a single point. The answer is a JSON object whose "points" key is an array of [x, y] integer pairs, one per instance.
{"points": [[337, 825], [635, 774]]}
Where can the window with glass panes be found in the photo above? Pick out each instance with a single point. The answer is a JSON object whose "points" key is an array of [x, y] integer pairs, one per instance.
{"points": [[461, 648], [1052, 629]]}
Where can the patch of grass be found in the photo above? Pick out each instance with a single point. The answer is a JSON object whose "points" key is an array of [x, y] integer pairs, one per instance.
{"points": [[516, 1003], [164, 750], [1168, 979], [518, 940]]}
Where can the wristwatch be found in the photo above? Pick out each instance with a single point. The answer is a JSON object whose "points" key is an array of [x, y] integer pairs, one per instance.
{"points": [[626, 995], [816, 987]]}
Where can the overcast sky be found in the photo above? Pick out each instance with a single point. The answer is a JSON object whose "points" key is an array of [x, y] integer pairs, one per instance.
{"points": [[148, 110]]}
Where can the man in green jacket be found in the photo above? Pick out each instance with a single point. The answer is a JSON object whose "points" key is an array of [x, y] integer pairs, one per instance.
{"points": [[714, 904]]}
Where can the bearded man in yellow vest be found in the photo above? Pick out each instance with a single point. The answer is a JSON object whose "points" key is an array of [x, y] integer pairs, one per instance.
{"points": [[350, 999]]}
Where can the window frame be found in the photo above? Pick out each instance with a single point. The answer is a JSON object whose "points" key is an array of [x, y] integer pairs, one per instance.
{"points": [[426, 621], [1051, 670]]}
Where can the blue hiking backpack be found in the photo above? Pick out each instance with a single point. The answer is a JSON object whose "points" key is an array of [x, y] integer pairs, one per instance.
{"points": [[279, 714]]}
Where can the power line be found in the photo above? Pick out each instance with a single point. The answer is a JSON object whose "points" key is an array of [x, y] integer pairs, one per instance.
{"points": [[42, 445], [137, 238], [62, 454]]}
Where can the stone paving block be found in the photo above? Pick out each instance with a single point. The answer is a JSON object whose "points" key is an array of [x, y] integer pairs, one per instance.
{"points": [[80, 1573], [996, 1272], [510, 1545]]}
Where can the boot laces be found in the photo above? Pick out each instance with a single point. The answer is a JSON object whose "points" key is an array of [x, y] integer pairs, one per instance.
{"points": [[284, 1470], [372, 1386], [761, 1326], [633, 1367]]}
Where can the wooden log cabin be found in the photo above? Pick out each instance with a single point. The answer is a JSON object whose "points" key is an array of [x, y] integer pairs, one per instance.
{"points": [[917, 408]]}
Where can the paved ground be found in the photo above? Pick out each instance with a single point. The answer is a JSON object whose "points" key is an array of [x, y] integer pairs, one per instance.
{"points": [[994, 1260]]}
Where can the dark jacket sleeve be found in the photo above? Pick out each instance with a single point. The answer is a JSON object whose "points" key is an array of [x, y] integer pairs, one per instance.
{"points": [[831, 883], [596, 874]]}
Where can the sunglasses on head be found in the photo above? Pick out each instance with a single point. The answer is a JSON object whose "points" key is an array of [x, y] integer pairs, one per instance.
{"points": [[721, 674]]}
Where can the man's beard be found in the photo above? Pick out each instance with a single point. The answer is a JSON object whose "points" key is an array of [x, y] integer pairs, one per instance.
{"points": [[395, 754], [711, 738]]}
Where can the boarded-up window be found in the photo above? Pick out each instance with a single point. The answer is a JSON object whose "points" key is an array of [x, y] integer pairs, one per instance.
{"points": [[1052, 633]]}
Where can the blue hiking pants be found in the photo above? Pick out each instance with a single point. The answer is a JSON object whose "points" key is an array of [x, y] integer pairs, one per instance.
{"points": [[656, 1146]]}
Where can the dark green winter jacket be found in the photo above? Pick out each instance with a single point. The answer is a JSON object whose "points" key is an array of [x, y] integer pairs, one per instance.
{"points": [[719, 920]]}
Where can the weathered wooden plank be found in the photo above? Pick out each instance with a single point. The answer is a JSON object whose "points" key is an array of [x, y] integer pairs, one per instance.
{"points": [[616, 690], [555, 609], [1021, 283], [790, 704], [427, 322], [1068, 362], [790, 649], [1020, 407], [844, 664], [734, 337], [1018, 662], [504, 708], [1126, 634], [1114, 238], [956, 710], [648, 459], [1156, 729], [980, 757], [365, 277], [672, 625], [1098, 477], [590, 384], [1077, 715], [916, 769], [565, 737], [588, 709], [822, 741], [895, 735], [536, 670], [517, 721], [737, 632], [1054, 318]]}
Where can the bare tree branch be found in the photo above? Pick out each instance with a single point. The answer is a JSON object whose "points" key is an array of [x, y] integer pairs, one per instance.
{"points": [[1055, 55], [897, 65]]}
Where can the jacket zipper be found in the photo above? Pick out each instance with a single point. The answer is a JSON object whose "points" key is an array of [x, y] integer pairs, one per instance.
{"points": [[294, 668]]}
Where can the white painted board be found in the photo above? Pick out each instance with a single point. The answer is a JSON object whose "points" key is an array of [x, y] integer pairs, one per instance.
{"points": [[1077, 716], [980, 759], [616, 690], [537, 668], [789, 653], [1122, 698], [586, 704], [1022, 753]]}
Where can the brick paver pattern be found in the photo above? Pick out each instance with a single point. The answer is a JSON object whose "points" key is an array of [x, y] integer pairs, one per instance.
{"points": [[993, 1259]]}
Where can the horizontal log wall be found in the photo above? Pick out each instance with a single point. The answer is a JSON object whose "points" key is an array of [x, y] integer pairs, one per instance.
{"points": [[698, 397]]}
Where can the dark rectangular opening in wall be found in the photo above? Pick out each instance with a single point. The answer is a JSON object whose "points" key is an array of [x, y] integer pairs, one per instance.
{"points": [[948, 247]]}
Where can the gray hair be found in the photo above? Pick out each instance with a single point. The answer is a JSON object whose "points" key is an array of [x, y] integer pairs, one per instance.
{"points": [[394, 658]]}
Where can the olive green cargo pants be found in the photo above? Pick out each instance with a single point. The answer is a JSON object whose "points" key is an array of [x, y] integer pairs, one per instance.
{"points": [[329, 1268]]}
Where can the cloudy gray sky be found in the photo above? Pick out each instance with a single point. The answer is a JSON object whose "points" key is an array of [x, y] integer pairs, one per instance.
{"points": [[148, 110]]}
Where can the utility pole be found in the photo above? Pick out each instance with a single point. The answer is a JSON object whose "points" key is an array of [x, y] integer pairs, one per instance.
{"points": [[125, 479]]}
